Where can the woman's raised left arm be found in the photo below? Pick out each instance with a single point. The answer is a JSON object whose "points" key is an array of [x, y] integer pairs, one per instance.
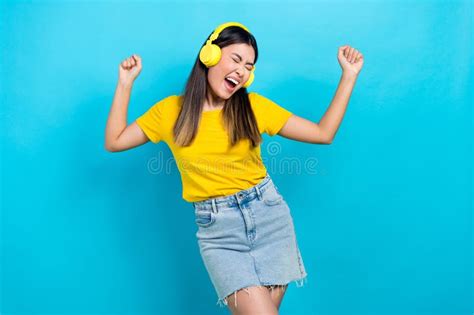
{"points": [[301, 129]]}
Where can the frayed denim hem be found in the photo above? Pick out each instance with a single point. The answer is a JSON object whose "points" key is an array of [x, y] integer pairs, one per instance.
{"points": [[223, 301]]}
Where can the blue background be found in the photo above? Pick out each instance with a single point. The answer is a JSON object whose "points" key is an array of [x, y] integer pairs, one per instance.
{"points": [[384, 220]]}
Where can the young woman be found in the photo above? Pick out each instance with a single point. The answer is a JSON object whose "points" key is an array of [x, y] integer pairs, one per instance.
{"points": [[246, 234]]}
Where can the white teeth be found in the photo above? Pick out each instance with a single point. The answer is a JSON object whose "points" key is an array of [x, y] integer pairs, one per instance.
{"points": [[233, 80]]}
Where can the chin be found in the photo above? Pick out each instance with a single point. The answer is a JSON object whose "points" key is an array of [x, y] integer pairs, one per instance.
{"points": [[229, 94], [223, 96]]}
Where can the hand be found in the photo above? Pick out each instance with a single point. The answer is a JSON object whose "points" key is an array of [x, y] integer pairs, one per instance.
{"points": [[129, 69], [350, 60]]}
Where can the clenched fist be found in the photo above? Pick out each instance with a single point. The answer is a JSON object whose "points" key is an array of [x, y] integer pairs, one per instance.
{"points": [[350, 59], [129, 69]]}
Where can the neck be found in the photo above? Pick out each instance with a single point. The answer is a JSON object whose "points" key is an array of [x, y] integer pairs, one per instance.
{"points": [[213, 101]]}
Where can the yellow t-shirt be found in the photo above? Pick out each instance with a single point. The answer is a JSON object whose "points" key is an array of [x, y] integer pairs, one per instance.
{"points": [[210, 167]]}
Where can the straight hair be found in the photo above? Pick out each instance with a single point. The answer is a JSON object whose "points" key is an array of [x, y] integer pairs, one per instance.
{"points": [[237, 114]]}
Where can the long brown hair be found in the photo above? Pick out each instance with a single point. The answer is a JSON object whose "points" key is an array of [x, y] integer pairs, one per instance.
{"points": [[239, 119]]}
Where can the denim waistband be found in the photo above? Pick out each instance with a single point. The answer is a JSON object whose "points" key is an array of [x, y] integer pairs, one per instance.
{"points": [[240, 196]]}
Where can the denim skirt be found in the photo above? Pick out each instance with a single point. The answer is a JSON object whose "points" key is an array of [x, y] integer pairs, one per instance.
{"points": [[248, 239]]}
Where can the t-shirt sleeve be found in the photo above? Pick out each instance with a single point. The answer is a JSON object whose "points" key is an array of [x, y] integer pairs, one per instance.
{"points": [[273, 115], [150, 121]]}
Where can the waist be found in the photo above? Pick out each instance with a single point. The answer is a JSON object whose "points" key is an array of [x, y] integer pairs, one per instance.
{"points": [[240, 196]]}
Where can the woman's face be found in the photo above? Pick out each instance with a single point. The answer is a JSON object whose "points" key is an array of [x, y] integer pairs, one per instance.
{"points": [[237, 62]]}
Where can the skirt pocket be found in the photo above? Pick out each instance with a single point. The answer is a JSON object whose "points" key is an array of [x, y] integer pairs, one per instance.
{"points": [[271, 196], [204, 218]]}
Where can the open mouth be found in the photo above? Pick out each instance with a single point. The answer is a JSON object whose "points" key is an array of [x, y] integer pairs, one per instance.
{"points": [[229, 84]]}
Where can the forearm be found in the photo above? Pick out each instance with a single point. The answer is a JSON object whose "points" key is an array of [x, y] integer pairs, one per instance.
{"points": [[332, 119], [117, 120]]}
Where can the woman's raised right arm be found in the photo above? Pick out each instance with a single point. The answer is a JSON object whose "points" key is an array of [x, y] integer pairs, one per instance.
{"points": [[119, 136]]}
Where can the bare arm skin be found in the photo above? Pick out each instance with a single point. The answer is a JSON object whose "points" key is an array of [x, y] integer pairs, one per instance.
{"points": [[301, 129], [119, 136]]}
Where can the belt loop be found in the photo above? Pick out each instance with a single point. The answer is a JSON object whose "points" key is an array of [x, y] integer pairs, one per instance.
{"points": [[214, 206], [259, 193]]}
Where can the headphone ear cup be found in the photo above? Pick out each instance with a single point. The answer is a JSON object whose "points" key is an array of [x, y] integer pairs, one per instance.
{"points": [[250, 80], [210, 55]]}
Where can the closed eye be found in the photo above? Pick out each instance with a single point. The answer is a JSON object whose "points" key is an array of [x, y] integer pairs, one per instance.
{"points": [[238, 62]]}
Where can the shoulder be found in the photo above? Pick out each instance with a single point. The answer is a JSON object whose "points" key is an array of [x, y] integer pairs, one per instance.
{"points": [[262, 104], [170, 100], [266, 107], [168, 103], [257, 99], [255, 103], [253, 97]]}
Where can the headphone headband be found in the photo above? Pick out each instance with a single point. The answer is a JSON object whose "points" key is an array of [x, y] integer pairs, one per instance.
{"points": [[221, 27]]}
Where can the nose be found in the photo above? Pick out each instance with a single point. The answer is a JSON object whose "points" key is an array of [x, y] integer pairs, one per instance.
{"points": [[240, 72]]}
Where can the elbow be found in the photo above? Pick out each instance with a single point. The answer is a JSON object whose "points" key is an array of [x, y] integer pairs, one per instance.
{"points": [[328, 141], [109, 147], [323, 139], [323, 136], [327, 137]]}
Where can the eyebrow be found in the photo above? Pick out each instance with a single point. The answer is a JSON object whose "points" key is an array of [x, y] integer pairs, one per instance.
{"points": [[241, 58]]}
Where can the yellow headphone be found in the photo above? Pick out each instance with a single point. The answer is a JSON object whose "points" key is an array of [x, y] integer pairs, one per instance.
{"points": [[210, 53]]}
